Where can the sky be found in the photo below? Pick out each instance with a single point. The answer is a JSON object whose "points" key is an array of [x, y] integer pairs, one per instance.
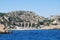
{"points": [[40, 7]]}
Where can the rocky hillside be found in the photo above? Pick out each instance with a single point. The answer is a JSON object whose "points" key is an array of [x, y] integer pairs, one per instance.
{"points": [[11, 18], [26, 16]]}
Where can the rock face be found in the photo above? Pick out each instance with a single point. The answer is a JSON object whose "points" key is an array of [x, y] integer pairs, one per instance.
{"points": [[3, 29], [12, 18], [27, 16]]}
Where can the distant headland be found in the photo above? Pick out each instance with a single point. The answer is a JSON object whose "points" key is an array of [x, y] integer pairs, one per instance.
{"points": [[28, 20]]}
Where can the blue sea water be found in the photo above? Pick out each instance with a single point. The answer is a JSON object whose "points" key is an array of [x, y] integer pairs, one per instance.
{"points": [[32, 35]]}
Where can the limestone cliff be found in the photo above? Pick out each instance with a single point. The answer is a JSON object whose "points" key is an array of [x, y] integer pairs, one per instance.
{"points": [[12, 19]]}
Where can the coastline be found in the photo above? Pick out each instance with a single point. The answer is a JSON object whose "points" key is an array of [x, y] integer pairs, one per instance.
{"points": [[51, 27], [25, 29], [31, 29]]}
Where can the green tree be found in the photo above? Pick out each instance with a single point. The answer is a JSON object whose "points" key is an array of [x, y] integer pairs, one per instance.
{"points": [[33, 25]]}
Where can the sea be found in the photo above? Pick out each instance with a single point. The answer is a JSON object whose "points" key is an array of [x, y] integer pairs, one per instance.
{"points": [[32, 35]]}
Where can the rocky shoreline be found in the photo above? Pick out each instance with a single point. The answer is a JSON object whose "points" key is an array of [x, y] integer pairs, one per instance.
{"points": [[51, 27], [27, 20], [3, 29]]}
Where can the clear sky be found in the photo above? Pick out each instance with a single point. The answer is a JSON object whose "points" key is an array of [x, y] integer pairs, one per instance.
{"points": [[41, 7]]}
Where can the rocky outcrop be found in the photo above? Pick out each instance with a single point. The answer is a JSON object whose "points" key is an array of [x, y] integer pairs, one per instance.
{"points": [[11, 18], [3, 29], [14, 18], [27, 16]]}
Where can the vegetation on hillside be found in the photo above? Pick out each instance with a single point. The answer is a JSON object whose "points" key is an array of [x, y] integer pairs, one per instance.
{"points": [[11, 18]]}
